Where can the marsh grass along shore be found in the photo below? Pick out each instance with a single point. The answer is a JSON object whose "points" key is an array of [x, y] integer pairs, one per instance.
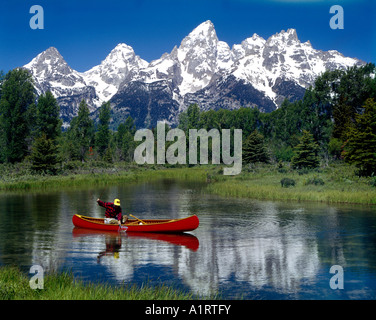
{"points": [[14, 285], [336, 183]]}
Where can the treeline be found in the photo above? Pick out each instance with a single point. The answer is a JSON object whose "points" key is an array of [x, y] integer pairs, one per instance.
{"points": [[31, 130], [336, 120]]}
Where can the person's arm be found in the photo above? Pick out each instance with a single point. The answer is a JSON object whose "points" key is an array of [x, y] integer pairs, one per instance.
{"points": [[103, 204], [100, 203], [119, 216]]}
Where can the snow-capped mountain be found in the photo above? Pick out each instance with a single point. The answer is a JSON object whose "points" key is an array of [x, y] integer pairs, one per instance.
{"points": [[192, 66], [120, 65], [51, 73], [204, 70]]}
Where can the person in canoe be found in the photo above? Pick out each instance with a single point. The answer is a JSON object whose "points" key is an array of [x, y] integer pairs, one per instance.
{"points": [[113, 212]]}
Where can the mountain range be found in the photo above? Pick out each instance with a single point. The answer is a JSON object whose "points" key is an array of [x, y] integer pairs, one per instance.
{"points": [[204, 70]]}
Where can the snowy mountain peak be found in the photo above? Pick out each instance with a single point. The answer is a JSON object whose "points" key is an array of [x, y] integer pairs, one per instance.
{"points": [[123, 46], [120, 57], [202, 70], [205, 29], [48, 62], [291, 33], [249, 46], [201, 36], [289, 37], [120, 65], [122, 52], [51, 71]]}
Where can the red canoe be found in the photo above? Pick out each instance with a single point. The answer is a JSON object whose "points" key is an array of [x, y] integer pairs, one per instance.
{"points": [[134, 225]]}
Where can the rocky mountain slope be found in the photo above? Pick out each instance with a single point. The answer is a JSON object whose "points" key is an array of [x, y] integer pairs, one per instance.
{"points": [[204, 70]]}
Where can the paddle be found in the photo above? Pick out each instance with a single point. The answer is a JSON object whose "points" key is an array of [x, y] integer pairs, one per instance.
{"points": [[138, 219], [122, 228]]}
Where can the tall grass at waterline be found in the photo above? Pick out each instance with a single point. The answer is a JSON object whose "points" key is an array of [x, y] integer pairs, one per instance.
{"points": [[339, 183], [255, 191], [18, 179], [14, 285]]}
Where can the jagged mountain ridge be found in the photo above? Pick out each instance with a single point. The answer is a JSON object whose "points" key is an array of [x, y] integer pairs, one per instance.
{"points": [[204, 70]]}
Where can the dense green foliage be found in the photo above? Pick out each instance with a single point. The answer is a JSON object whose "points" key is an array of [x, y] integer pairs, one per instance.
{"points": [[360, 147], [306, 153], [16, 111], [47, 117], [254, 149], [80, 135], [44, 155], [125, 144], [337, 114], [103, 131], [44, 150]]}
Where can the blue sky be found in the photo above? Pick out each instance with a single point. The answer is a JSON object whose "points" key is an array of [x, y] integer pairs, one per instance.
{"points": [[86, 31]]}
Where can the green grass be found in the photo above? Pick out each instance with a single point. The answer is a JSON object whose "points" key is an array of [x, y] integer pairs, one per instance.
{"points": [[14, 285], [335, 184], [19, 177]]}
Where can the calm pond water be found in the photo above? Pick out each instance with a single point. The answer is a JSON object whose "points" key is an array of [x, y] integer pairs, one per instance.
{"points": [[242, 249]]}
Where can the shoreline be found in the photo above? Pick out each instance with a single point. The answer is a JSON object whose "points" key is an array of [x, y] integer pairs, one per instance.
{"points": [[14, 285], [337, 183]]}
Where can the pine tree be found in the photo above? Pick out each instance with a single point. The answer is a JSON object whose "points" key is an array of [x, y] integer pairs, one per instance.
{"points": [[17, 98], [102, 138], [44, 155], [81, 133], [124, 139], [190, 118], [47, 116], [254, 149], [360, 148], [350, 91], [306, 153]]}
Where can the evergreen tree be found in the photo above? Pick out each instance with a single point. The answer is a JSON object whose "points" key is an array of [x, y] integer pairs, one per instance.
{"points": [[130, 126], [107, 156], [360, 148], [81, 133], [193, 114], [17, 98], [102, 139], [47, 117], [254, 149], [350, 91], [190, 118], [306, 153], [44, 155], [125, 139]]}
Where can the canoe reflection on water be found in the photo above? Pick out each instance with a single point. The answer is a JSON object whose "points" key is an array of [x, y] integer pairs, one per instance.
{"points": [[114, 239]]}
